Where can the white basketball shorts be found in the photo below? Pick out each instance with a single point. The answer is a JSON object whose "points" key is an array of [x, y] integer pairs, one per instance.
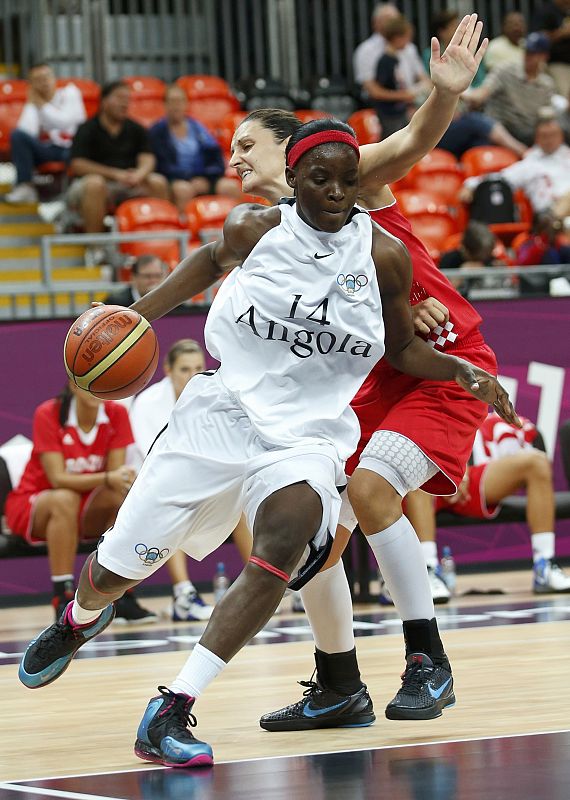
{"points": [[207, 467]]}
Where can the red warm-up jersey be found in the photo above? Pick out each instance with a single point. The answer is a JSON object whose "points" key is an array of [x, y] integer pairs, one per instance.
{"points": [[82, 452]]}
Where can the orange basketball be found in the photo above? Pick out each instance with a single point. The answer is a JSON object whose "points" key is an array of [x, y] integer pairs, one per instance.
{"points": [[111, 352]]}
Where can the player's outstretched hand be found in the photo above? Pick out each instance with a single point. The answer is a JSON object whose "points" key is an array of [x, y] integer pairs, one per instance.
{"points": [[454, 70], [487, 388]]}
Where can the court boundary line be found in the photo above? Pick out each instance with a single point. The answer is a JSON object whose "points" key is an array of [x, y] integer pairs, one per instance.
{"points": [[21, 781]]}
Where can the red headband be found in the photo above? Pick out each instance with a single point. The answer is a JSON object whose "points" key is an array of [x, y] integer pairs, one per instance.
{"points": [[315, 139]]}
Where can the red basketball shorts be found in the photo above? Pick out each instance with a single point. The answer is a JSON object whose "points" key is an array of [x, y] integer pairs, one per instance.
{"points": [[475, 505]]}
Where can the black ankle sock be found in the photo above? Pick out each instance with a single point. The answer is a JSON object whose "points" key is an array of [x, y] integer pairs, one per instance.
{"points": [[338, 671], [422, 636], [64, 589]]}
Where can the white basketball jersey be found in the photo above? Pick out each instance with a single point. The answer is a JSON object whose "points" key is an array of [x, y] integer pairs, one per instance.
{"points": [[298, 327]]}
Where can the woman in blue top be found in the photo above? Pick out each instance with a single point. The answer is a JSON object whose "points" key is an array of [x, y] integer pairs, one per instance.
{"points": [[187, 154]]}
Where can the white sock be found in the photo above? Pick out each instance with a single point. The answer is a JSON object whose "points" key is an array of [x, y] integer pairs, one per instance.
{"points": [[60, 578], [83, 616], [402, 563], [542, 546], [429, 550], [198, 672], [328, 606], [183, 587]]}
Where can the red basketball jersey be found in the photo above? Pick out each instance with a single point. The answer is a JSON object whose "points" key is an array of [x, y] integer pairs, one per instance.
{"points": [[462, 330], [82, 452], [497, 438]]}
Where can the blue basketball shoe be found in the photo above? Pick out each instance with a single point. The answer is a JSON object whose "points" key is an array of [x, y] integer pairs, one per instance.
{"points": [[427, 688], [163, 735], [50, 654]]}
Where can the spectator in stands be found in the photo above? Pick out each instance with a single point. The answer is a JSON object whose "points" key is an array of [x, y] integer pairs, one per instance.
{"points": [[474, 129], [146, 273], [391, 97], [443, 25], [73, 485], [44, 131], [546, 243], [543, 173], [513, 94], [112, 159], [553, 19], [505, 460], [474, 252], [367, 54], [187, 154], [508, 48]]}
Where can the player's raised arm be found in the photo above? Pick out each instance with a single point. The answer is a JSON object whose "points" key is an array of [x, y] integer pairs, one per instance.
{"points": [[451, 73], [204, 266], [412, 355]]}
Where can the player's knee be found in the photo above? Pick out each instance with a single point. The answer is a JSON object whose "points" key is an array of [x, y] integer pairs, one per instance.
{"points": [[285, 523], [104, 581], [538, 465], [64, 503], [369, 492]]}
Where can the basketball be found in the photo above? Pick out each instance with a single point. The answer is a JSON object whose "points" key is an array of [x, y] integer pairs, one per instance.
{"points": [[111, 352]]}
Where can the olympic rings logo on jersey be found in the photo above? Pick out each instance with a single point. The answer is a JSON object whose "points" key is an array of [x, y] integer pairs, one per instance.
{"points": [[352, 283], [150, 555]]}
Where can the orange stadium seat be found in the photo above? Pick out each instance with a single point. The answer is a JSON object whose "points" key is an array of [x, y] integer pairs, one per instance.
{"points": [[90, 91], [13, 91], [436, 159], [412, 201], [210, 110], [446, 182], [366, 126], [227, 127], [484, 159], [200, 86], [207, 213], [146, 111], [309, 114], [9, 116], [433, 229], [149, 214], [146, 87]]}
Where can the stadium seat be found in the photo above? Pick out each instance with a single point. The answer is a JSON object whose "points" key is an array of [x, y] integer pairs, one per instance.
{"points": [[445, 181], [332, 95], [146, 111], [13, 91], [261, 92], [433, 228], [485, 159], [149, 214], [206, 215], [412, 201], [226, 129], [90, 91], [436, 159], [309, 114], [146, 87], [210, 110], [200, 86], [366, 126]]}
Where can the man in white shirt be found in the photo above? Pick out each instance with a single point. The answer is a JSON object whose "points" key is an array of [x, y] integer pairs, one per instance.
{"points": [[365, 58], [543, 174], [45, 129], [508, 48]]}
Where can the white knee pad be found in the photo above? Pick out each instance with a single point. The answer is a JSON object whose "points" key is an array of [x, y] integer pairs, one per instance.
{"points": [[397, 459]]}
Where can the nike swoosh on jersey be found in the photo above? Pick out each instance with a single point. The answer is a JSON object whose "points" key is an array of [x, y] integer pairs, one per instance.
{"points": [[317, 712], [436, 693], [326, 255]]}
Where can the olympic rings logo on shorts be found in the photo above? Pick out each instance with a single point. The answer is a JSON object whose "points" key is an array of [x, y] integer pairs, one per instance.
{"points": [[351, 283], [150, 555]]}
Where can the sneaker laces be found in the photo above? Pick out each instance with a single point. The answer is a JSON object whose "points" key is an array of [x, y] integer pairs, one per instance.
{"points": [[414, 677], [58, 635], [178, 712]]}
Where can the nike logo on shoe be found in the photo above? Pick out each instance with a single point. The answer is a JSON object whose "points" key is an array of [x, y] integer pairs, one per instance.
{"points": [[326, 255], [436, 693], [318, 712]]}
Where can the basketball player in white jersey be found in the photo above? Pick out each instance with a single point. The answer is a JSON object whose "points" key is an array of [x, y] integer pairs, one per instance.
{"points": [[269, 431]]}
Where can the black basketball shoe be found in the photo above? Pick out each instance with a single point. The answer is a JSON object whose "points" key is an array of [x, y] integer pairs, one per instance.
{"points": [[322, 708], [48, 656], [426, 690], [163, 735]]}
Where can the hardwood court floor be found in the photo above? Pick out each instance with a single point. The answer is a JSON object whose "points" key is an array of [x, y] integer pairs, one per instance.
{"points": [[510, 679]]}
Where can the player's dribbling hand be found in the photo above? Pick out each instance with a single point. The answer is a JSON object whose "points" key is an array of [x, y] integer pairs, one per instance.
{"points": [[454, 70], [486, 387], [428, 314]]}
